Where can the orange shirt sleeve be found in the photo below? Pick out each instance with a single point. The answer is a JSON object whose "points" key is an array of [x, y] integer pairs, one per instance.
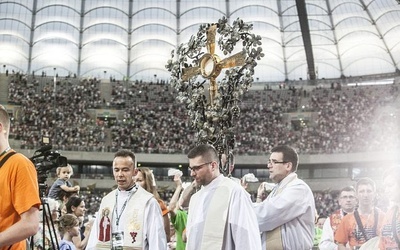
{"points": [[164, 209], [19, 192]]}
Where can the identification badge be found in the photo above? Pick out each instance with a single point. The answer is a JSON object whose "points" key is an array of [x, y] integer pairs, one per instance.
{"points": [[117, 240]]}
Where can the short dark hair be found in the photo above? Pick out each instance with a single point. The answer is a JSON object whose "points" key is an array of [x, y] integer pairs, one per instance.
{"points": [[366, 181], [207, 151], [347, 189], [289, 155], [73, 201], [126, 153], [65, 195]]}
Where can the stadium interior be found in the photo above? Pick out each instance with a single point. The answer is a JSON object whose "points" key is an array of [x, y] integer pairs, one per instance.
{"points": [[90, 76]]}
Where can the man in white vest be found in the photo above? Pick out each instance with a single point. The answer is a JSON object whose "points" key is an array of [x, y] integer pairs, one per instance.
{"points": [[129, 217], [286, 216], [347, 201], [220, 215]]}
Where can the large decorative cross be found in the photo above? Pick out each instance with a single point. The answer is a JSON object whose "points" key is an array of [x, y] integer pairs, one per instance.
{"points": [[210, 64], [214, 120]]}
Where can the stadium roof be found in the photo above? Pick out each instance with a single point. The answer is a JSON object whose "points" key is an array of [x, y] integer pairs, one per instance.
{"points": [[308, 39]]}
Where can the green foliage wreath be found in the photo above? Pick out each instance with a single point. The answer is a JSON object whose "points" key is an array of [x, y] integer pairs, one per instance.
{"points": [[214, 123]]}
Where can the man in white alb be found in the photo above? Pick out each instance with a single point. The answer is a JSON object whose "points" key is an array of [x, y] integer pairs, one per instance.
{"points": [[220, 215], [286, 217], [134, 214]]}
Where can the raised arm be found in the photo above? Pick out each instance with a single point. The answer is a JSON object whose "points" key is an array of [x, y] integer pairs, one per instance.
{"points": [[173, 203], [187, 194]]}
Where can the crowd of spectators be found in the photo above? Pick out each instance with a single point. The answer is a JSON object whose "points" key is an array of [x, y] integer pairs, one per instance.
{"points": [[60, 115], [128, 94], [153, 128], [348, 118], [153, 121], [340, 119]]}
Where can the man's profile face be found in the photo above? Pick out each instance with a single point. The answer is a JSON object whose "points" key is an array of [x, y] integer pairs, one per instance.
{"points": [[278, 169], [201, 170]]}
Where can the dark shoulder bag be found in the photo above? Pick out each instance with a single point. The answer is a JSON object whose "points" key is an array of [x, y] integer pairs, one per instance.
{"points": [[360, 225], [2, 163], [6, 158], [394, 228]]}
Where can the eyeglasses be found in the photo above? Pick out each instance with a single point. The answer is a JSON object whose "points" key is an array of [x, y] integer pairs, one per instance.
{"points": [[198, 167], [274, 162]]}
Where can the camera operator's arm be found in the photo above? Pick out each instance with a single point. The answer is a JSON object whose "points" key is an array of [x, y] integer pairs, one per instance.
{"points": [[24, 228]]}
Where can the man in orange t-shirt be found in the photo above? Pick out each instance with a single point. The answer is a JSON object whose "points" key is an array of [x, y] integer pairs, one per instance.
{"points": [[19, 196], [371, 218]]}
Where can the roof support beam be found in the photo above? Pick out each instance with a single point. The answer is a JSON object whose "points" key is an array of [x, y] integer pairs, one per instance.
{"points": [[80, 46], [32, 33], [305, 31]]}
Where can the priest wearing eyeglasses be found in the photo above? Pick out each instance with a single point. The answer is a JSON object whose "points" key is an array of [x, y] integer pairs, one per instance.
{"points": [[220, 215], [286, 216]]}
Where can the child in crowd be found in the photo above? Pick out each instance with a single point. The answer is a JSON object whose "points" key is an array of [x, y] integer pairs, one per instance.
{"points": [[62, 184], [68, 228], [319, 223]]}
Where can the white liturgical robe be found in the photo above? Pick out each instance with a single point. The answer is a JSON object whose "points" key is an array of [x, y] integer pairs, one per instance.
{"points": [[139, 218], [290, 206], [222, 200]]}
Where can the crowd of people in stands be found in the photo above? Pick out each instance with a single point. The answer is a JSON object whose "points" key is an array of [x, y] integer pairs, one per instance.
{"points": [[61, 115], [336, 119], [340, 120]]}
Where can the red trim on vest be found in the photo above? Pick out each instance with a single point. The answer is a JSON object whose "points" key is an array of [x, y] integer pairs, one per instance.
{"points": [[336, 217]]}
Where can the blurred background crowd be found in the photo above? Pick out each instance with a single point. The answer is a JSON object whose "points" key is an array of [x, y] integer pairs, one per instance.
{"points": [[330, 119]]}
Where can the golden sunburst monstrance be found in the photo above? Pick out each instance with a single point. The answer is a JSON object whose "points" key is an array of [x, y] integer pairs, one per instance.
{"points": [[214, 116]]}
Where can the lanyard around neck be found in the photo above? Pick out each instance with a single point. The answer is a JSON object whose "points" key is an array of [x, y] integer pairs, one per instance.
{"points": [[118, 216]]}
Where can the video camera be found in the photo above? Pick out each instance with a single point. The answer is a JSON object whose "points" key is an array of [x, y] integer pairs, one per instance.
{"points": [[44, 160]]}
